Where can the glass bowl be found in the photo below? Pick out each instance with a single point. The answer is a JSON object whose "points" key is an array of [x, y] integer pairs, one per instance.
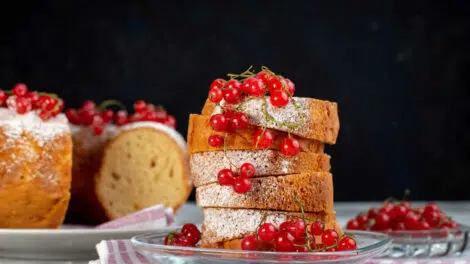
{"points": [[151, 245], [427, 243]]}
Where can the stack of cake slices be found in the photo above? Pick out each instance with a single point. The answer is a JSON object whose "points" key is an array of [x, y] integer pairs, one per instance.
{"points": [[281, 184]]}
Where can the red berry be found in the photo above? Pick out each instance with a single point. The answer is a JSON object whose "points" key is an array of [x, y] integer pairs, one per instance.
{"points": [[346, 243], [398, 226], [382, 220], [232, 95], [3, 97], [191, 232], [182, 241], [238, 121], [273, 84], [423, 226], [33, 97], [87, 105], [431, 207], [329, 237], [219, 122], [284, 226], [72, 116], [433, 218], [297, 228], [283, 242], [449, 225], [253, 86], [235, 84], [241, 185], [267, 232], [398, 212], [372, 213], [20, 89], [217, 84], [263, 139], [140, 106], [107, 115], [170, 121], [47, 103], [58, 107], [247, 170], [23, 105], [215, 140], [215, 95], [45, 115], [97, 125], [249, 243], [169, 239], [121, 118], [279, 98], [411, 220], [316, 228], [290, 146], [353, 224], [407, 204], [264, 76], [147, 115], [226, 177], [362, 220], [290, 87], [386, 207]]}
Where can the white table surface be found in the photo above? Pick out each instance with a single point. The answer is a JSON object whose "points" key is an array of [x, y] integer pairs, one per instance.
{"points": [[458, 210]]}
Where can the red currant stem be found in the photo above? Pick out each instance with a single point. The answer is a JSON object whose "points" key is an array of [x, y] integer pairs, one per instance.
{"points": [[266, 69], [260, 136], [256, 230], [111, 102], [225, 151], [247, 73], [264, 110], [391, 200], [406, 195]]}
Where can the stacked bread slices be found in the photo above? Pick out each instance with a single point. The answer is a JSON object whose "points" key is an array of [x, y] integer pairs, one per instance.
{"points": [[281, 184]]}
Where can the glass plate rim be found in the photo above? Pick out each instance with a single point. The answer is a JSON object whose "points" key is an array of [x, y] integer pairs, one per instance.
{"points": [[461, 228], [384, 241]]}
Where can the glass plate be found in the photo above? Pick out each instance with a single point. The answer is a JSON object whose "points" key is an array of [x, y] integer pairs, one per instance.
{"points": [[428, 243], [151, 245]]}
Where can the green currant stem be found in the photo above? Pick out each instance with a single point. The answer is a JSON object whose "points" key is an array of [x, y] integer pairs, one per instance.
{"points": [[111, 102], [170, 237], [264, 110], [260, 136], [406, 195]]}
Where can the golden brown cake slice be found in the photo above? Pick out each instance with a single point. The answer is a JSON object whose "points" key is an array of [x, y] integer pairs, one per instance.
{"points": [[305, 117], [314, 190], [144, 165], [35, 170], [199, 130], [206, 165], [225, 227]]}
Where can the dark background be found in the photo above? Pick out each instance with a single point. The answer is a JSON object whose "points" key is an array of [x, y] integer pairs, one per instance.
{"points": [[396, 68]]}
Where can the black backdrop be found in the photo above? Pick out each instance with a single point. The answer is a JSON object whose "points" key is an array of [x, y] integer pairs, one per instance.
{"points": [[396, 68]]}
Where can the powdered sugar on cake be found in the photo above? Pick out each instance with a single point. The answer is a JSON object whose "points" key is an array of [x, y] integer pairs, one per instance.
{"points": [[14, 125]]}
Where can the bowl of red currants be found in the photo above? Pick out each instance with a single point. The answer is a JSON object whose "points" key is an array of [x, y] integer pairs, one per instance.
{"points": [[417, 231]]}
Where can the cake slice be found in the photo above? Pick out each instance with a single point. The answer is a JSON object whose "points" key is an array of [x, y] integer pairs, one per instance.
{"points": [[305, 117], [206, 165], [314, 191], [225, 227], [199, 130], [144, 165], [35, 170]]}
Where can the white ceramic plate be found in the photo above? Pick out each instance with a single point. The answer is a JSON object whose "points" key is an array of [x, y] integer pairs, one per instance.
{"points": [[73, 242]]}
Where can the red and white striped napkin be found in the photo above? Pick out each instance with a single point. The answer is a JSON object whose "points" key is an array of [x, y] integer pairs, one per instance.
{"points": [[121, 251]]}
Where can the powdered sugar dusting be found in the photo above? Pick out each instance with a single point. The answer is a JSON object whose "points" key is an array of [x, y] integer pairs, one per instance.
{"points": [[288, 114], [14, 125]]}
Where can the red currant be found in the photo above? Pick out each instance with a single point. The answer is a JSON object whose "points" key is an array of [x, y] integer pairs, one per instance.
{"points": [[279, 98], [290, 87], [264, 76], [382, 220], [247, 170], [73, 116], [169, 239], [88, 105], [232, 95], [397, 226], [267, 232], [191, 232], [215, 140], [241, 185], [107, 115], [45, 115], [372, 213], [263, 138], [97, 125], [148, 116], [346, 243], [411, 220], [58, 107], [226, 177], [23, 105], [316, 228], [253, 86], [407, 204], [33, 97], [329, 237], [423, 225], [274, 84], [249, 243], [140, 106], [353, 224], [47, 103], [449, 225], [297, 228], [182, 241], [170, 121], [386, 207], [20, 89], [290, 146], [362, 220], [3, 97], [431, 207], [283, 242], [235, 84], [121, 118], [398, 212], [238, 121], [219, 123], [217, 84], [284, 226], [215, 95]]}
